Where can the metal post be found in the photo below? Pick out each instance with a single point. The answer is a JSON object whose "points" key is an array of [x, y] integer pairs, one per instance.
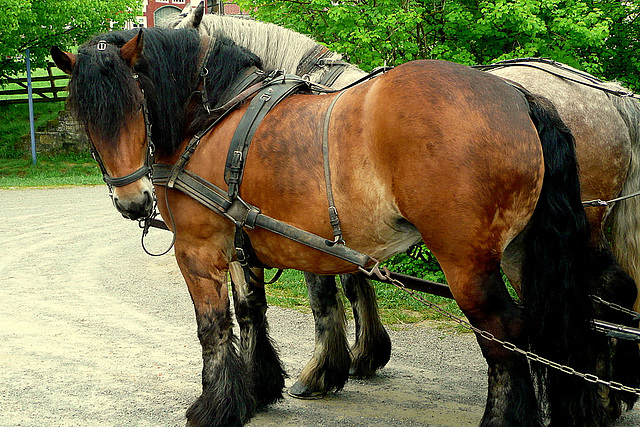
{"points": [[31, 119]]}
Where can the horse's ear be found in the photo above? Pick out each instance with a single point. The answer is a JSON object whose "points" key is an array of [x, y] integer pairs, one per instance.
{"points": [[198, 14], [64, 60], [132, 49]]}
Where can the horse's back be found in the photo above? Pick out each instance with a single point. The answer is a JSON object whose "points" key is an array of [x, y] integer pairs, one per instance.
{"points": [[602, 138]]}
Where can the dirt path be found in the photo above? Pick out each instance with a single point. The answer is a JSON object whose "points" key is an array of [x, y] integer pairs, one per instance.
{"points": [[94, 332]]}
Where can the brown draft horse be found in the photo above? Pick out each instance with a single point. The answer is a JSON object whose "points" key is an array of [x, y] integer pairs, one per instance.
{"points": [[431, 150], [604, 125]]}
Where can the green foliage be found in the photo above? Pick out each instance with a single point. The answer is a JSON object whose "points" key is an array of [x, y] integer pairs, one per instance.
{"points": [[417, 262], [598, 36], [37, 25]]}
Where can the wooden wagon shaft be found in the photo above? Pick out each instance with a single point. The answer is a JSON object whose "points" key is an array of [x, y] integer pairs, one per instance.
{"points": [[420, 285]]}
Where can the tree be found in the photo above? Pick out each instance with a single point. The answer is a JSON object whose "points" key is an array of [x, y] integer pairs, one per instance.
{"points": [[39, 24], [598, 36]]}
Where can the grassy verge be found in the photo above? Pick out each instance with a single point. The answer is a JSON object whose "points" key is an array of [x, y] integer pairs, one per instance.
{"points": [[51, 171], [396, 306]]}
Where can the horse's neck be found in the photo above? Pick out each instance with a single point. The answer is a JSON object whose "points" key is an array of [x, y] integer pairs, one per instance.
{"points": [[278, 47]]}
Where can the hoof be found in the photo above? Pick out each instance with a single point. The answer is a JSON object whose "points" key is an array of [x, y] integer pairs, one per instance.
{"points": [[301, 391], [360, 374]]}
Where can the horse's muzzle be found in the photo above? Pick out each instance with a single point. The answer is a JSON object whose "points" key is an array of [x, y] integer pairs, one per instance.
{"points": [[135, 208]]}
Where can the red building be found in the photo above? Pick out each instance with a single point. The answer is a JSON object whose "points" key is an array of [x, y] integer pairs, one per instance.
{"points": [[154, 11]]}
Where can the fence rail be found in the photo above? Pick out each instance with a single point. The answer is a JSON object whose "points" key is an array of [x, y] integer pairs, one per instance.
{"points": [[41, 92]]}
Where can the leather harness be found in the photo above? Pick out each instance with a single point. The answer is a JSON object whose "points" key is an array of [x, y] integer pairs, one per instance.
{"points": [[229, 203], [559, 70], [318, 58], [268, 93]]}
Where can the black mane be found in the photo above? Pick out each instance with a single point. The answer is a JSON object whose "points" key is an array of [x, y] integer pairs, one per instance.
{"points": [[103, 92]]}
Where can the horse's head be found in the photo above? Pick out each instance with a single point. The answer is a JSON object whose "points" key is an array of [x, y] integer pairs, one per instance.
{"points": [[107, 99]]}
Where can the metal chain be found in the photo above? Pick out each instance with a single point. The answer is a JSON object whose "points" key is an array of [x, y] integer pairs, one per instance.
{"points": [[615, 306], [383, 272]]}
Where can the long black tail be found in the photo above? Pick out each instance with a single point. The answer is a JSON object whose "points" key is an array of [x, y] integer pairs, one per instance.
{"points": [[555, 279]]}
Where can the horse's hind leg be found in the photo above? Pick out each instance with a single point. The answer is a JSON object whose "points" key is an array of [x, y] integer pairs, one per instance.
{"points": [[256, 347], [372, 347], [328, 369], [484, 299]]}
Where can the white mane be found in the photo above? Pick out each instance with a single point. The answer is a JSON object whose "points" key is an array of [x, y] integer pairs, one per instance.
{"points": [[278, 47]]}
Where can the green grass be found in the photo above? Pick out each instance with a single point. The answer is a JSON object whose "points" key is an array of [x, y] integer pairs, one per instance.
{"points": [[396, 306], [40, 72], [49, 171]]}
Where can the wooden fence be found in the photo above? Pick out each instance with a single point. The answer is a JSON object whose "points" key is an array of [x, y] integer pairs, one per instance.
{"points": [[44, 89]]}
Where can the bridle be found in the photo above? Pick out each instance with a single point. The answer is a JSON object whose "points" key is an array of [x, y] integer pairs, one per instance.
{"points": [[145, 170]]}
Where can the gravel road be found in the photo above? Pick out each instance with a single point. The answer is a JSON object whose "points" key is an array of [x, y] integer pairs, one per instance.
{"points": [[94, 332]]}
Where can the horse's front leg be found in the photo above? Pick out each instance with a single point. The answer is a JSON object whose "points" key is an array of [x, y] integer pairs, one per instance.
{"points": [[372, 347], [256, 347], [328, 369], [227, 390]]}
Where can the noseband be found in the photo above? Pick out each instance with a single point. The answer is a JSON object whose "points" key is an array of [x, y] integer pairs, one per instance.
{"points": [[145, 170]]}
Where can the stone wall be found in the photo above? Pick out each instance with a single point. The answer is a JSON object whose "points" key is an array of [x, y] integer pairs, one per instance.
{"points": [[61, 136]]}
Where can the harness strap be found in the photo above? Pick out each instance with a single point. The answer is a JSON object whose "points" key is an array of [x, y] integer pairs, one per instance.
{"points": [[204, 71], [334, 220], [221, 111], [217, 200], [317, 58], [261, 104], [246, 78], [589, 80], [127, 179], [310, 60], [336, 68]]}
